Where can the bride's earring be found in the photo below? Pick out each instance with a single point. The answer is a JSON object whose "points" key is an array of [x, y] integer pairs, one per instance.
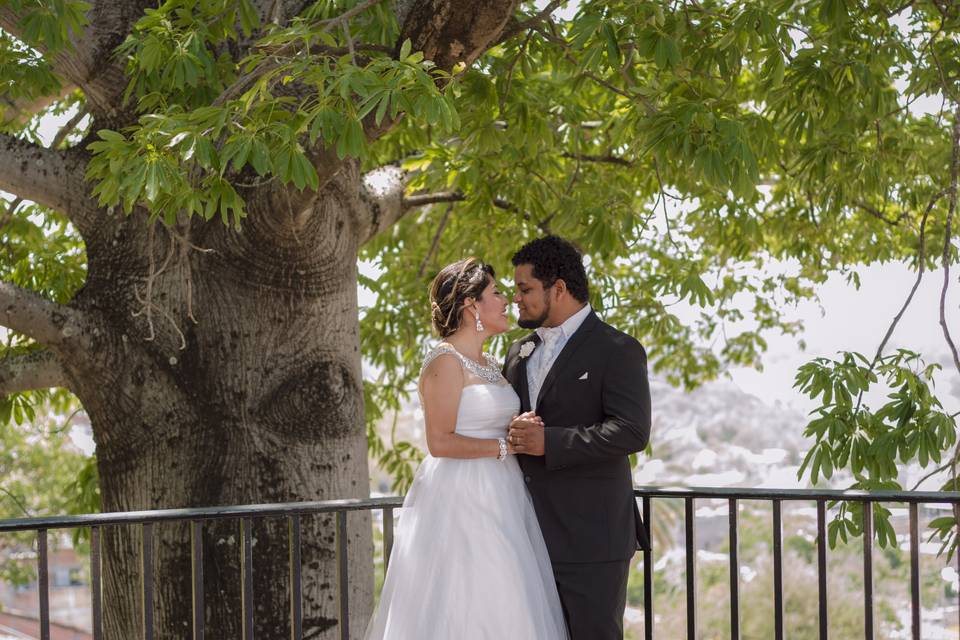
{"points": [[479, 324]]}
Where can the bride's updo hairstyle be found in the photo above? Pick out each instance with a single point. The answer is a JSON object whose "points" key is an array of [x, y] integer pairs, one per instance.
{"points": [[455, 283]]}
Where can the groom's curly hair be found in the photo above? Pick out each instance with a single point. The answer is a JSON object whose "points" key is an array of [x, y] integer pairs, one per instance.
{"points": [[455, 283], [554, 258]]}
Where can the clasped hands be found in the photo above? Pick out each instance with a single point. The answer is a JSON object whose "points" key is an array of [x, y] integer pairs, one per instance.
{"points": [[526, 434]]}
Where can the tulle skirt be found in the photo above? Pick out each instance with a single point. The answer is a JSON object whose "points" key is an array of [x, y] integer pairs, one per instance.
{"points": [[469, 561]]}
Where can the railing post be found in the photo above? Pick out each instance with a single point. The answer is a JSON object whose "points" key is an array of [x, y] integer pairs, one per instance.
{"points": [[648, 572], [691, 545], [146, 583], [96, 590], [734, 570], [246, 576], [296, 582], [777, 570], [196, 567], [822, 567], [387, 537], [43, 579], [343, 579], [914, 571], [868, 570]]}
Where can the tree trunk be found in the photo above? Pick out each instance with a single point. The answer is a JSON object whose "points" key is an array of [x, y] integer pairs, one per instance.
{"points": [[262, 405]]}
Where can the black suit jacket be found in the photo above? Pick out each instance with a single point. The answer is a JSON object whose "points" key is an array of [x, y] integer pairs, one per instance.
{"points": [[595, 403]]}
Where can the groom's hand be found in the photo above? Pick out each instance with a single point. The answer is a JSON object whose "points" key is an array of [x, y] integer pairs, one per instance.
{"points": [[526, 434]]}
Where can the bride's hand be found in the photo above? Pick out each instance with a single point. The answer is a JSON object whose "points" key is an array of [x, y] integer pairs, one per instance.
{"points": [[526, 434], [529, 416]]}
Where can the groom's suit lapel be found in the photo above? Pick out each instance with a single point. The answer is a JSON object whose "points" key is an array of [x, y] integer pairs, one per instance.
{"points": [[577, 339]]}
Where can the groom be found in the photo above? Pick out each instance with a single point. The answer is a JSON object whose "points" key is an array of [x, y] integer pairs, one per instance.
{"points": [[585, 404]]}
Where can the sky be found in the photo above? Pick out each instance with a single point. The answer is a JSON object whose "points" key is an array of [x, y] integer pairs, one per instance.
{"points": [[856, 320]]}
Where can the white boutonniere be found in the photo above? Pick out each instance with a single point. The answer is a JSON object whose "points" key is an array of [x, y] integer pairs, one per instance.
{"points": [[527, 348]]}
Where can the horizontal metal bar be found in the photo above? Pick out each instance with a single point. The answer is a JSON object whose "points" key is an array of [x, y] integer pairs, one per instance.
{"points": [[946, 497], [203, 513], [332, 506]]}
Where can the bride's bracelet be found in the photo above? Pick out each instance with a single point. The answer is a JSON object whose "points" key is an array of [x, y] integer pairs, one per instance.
{"points": [[503, 449]]}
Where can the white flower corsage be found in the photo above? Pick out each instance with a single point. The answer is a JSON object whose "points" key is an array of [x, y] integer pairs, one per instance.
{"points": [[527, 348]]}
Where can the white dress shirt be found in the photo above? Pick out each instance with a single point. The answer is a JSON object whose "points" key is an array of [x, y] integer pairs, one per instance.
{"points": [[564, 331]]}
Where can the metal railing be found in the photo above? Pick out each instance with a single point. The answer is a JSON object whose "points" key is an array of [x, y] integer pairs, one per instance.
{"points": [[294, 511], [777, 497]]}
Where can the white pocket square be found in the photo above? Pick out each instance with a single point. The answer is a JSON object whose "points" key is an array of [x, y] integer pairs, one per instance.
{"points": [[584, 376]]}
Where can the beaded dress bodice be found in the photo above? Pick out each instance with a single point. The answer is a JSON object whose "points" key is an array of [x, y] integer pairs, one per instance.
{"points": [[487, 402]]}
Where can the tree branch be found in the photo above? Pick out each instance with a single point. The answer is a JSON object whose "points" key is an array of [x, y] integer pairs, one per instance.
{"points": [[423, 199], [921, 259], [68, 128], [88, 62], [518, 26], [931, 474], [385, 203], [448, 33], [452, 32], [607, 159], [947, 239], [435, 244], [568, 54], [876, 213], [381, 195], [247, 80], [34, 370], [46, 322], [49, 177], [21, 110]]}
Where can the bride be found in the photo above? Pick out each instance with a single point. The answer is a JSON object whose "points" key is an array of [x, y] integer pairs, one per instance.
{"points": [[469, 561]]}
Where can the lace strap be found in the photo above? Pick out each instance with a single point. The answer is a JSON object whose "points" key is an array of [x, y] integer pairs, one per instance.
{"points": [[436, 352], [488, 373]]}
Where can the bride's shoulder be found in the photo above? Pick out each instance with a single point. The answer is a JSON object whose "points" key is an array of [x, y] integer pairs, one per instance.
{"points": [[441, 373], [442, 349]]}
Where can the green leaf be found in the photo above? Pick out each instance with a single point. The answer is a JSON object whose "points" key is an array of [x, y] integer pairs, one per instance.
{"points": [[613, 47]]}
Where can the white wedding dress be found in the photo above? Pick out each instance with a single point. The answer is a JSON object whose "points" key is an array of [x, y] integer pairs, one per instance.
{"points": [[469, 561]]}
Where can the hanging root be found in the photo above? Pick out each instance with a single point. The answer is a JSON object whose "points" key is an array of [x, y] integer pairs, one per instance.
{"points": [[181, 246]]}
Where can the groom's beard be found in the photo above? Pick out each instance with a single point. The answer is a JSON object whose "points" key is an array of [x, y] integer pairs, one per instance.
{"points": [[536, 323]]}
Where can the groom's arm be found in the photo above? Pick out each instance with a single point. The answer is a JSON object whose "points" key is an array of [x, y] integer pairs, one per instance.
{"points": [[625, 428]]}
